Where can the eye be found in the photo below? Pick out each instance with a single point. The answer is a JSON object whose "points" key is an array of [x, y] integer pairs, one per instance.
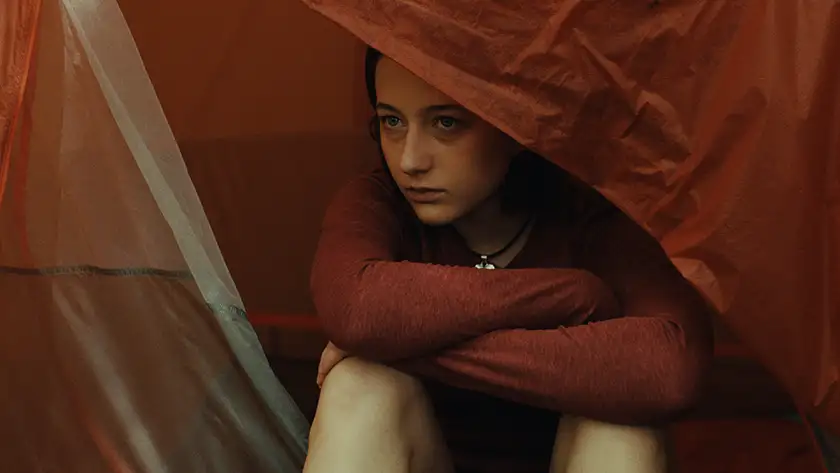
{"points": [[446, 123], [390, 121]]}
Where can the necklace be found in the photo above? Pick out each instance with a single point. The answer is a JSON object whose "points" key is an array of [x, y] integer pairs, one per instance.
{"points": [[485, 259]]}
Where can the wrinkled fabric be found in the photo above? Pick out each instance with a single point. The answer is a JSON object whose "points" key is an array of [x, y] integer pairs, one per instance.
{"points": [[715, 124], [17, 37], [125, 346]]}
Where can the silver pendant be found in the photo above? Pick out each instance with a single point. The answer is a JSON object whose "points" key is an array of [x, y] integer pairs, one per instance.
{"points": [[485, 264]]}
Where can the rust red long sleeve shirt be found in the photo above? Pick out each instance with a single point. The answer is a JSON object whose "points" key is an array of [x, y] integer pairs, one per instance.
{"points": [[590, 318]]}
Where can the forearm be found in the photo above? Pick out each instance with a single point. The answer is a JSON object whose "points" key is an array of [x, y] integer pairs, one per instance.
{"points": [[629, 370], [388, 310]]}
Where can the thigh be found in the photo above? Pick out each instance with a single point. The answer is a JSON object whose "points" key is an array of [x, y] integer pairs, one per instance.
{"points": [[588, 446]]}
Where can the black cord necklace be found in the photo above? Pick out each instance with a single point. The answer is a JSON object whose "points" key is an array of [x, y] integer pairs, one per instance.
{"points": [[485, 259]]}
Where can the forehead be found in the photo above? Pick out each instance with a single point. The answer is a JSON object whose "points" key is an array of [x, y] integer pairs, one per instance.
{"points": [[397, 86]]}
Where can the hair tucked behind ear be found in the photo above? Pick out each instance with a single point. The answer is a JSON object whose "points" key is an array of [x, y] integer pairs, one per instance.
{"points": [[372, 57]]}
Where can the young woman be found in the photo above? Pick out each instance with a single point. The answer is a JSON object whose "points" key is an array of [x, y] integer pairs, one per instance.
{"points": [[474, 294]]}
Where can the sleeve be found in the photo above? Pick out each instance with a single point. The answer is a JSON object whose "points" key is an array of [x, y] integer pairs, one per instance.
{"points": [[373, 306], [640, 368]]}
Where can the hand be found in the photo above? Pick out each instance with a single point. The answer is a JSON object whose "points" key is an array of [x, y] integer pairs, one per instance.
{"points": [[329, 358]]}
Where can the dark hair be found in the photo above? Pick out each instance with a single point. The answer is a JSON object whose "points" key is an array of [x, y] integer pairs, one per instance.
{"points": [[372, 57], [518, 189]]}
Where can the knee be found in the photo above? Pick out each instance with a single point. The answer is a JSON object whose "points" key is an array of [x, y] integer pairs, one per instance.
{"points": [[374, 418], [585, 445], [366, 391]]}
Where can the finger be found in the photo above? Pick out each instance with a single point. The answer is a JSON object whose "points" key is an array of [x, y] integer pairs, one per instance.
{"points": [[322, 372], [325, 362], [325, 369]]}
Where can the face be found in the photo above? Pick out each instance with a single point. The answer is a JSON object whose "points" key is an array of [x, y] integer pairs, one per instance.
{"points": [[447, 162]]}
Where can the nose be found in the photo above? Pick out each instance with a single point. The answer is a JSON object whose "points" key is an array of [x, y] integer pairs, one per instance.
{"points": [[416, 156]]}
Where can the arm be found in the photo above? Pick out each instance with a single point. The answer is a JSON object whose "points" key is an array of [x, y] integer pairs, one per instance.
{"points": [[373, 306], [635, 369]]}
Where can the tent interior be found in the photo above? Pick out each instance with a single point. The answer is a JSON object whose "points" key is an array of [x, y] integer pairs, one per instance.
{"points": [[267, 102]]}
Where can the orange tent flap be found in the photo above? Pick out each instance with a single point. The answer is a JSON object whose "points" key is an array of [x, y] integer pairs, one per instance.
{"points": [[18, 31], [715, 124], [125, 346]]}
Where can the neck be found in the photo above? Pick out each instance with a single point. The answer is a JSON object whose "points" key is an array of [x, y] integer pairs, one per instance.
{"points": [[488, 228]]}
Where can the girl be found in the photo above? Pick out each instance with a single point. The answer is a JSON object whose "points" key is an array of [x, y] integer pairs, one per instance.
{"points": [[472, 285]]}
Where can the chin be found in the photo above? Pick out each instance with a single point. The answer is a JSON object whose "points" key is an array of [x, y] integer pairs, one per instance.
{"points": [[435, 215]]}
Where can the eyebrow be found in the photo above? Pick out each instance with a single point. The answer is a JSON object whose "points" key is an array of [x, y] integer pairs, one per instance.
{"points": [[448, 107]]}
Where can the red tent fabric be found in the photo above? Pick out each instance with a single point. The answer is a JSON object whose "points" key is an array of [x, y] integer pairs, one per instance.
{"points": [[125, 345], [716, 125]]}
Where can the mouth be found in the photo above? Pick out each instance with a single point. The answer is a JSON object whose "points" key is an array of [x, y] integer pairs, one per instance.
{"points": [[423, 195]]}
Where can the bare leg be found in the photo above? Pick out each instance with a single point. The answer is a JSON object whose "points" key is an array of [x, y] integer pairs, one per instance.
{"points": [[588, 446], [373, 418]]}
